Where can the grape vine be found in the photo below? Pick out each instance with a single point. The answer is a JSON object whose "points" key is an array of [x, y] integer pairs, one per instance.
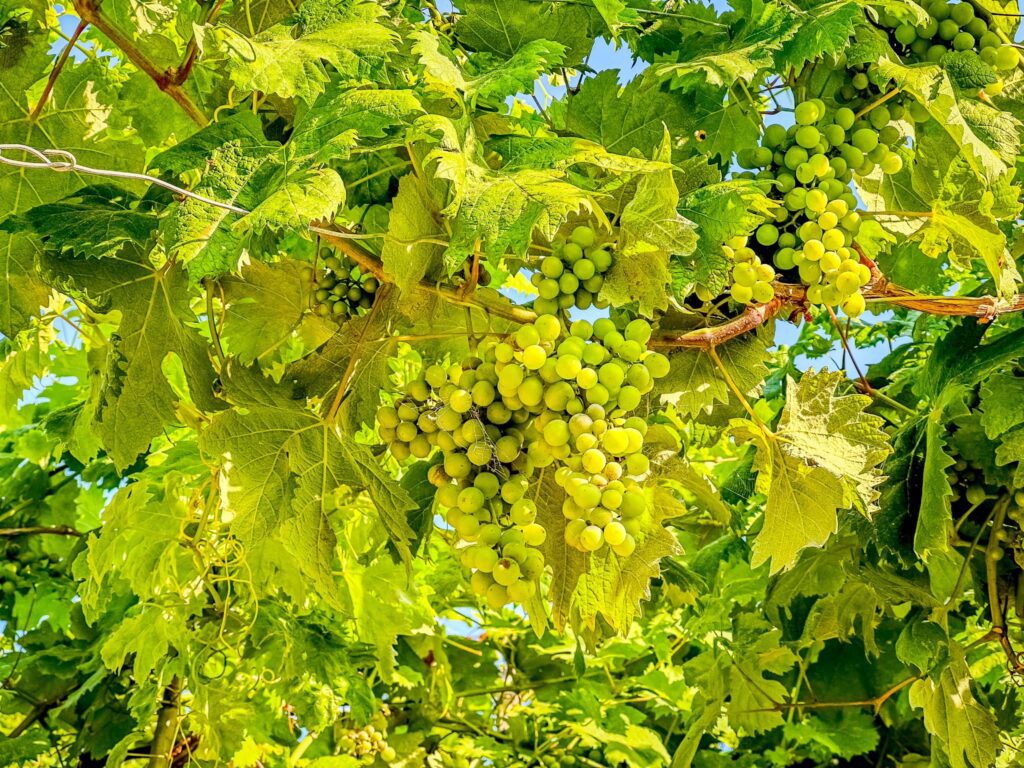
{"points": [[521, 384]]}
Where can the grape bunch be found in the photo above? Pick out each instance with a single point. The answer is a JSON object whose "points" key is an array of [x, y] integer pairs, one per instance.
{"points": [[343, 290], [811, 164], [572, 276], [524, 402], [367, 744], [950, 26]]}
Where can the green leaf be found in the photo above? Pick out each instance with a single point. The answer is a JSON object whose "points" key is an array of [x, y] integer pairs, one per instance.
{"points": [[496, 79], [695, 385], [414, 217], [279, 455], [152, 634], [288, 64], [586, 586], [651, 230], [824, 31], [74, 121], [823, 457], [929, 84], [720, 210], [837, 434], [26, 358], [503, 211], [627, 118], [761, 30], [300, 200], [140, 543], [342, 119], [92, 222], [966, 731], [203, 237], [264, 306], [136, 400], [1001, 396], [854, 733], [504, 27]]}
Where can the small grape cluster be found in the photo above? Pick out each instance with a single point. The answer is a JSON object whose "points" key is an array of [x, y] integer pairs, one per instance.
{"points": [[343, 290], [572, 276], [950, 26], [751, 279], [367, 744], [811, 164], [521, 403]]}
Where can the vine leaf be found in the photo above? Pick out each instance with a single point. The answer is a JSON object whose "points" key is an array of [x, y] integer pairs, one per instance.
{"points": [[720, 210], [624, 119], [929, 84], [92, 222], [278, 61], [651, 231], [505, 27], [695, 385], [202, 236], [342, 119], [720, 60], [277, 456], [585, 586], [140, 544], [823, 457], [136, 399], [301, 199], [414, 217], [78, 104], [264, 306], [966, 730], [823, 31]]}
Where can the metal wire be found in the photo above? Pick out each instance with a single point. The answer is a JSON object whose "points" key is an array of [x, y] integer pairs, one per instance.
{"points": [[62, 161]]}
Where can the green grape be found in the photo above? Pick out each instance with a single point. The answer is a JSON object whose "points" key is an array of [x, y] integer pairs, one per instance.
{"points": [[864, 139], [806, 113], [591, 538], [1007, 57], [961, 13], [963, 41]]}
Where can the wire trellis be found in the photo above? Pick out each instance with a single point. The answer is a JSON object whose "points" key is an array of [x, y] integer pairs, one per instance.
{"points": [[63, 161]]}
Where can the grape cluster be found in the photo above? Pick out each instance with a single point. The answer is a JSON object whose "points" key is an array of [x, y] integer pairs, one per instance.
{"points": [[521, 403], [950, 26], [572, 276], [342, 288], [367, 744], [811, 164]]}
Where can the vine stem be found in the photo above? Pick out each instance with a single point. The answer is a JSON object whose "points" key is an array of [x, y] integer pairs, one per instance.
{"points": [[992, 585], [178, 75], [57, 68], [89, 12], [876, 103], [32, 530], [736, 391], [218, 348], [167, 721]]}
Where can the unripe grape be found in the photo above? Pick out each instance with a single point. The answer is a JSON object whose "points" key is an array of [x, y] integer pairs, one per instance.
{"points": [[497, 596], [626, 547], [591, 539], [583, 236], [535, 534], [615, 534]]}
